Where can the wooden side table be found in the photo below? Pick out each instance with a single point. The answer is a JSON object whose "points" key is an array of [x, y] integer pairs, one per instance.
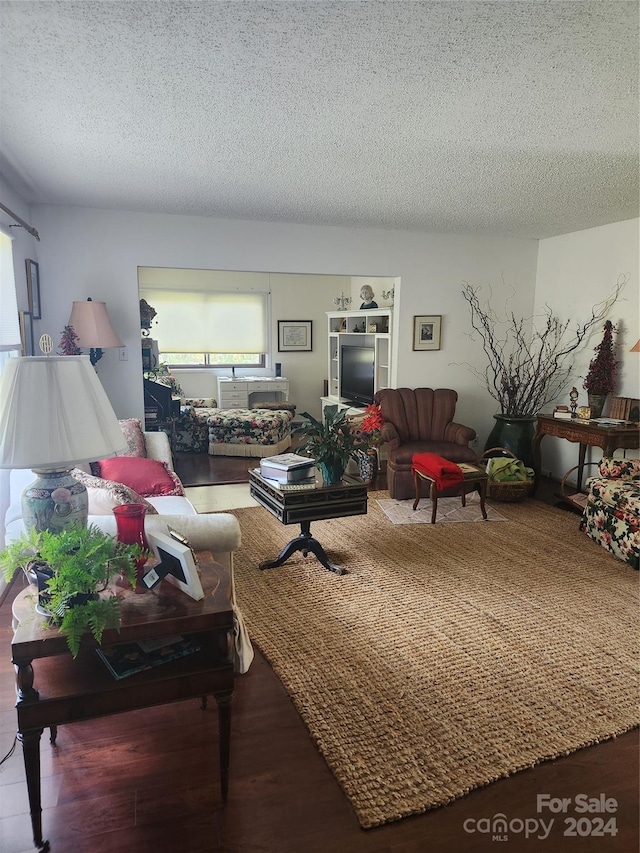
{"points": [[59, 689], [625, 436], [475, 479]]}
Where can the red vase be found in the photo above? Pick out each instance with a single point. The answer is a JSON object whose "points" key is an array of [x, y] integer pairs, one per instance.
{"points": [[130, 531]]}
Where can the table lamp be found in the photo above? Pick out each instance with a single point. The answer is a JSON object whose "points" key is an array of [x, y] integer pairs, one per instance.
{"points": [[92, 326], [55, 414]]}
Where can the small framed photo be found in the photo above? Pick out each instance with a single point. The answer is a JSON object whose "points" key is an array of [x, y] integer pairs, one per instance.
{"points": [[294, 335], [426, 332], [176, 564], [26, 333], [33, 289]]}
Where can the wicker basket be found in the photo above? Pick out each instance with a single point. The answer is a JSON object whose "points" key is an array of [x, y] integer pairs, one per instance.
{"points": [[507, 492]]}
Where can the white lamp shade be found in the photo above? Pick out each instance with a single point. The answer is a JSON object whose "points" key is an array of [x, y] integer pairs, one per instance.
{"points": [[55, 412], [91, 324]]}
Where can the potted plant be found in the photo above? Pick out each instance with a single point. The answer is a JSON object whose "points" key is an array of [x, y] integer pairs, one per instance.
{"points": [[601, 377], [74, 566], [528, 364], [330, 442], [368, 438]]}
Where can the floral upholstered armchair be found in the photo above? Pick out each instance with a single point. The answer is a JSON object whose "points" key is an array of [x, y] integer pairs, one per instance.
{"points": [[611, 515]]}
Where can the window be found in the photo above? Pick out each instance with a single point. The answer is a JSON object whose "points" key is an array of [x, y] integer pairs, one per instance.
{"points": [[9, 328], [207, 320]]}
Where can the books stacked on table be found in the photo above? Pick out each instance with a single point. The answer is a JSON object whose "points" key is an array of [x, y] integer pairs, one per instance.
{"points": [[287, 468], [563, 413]]}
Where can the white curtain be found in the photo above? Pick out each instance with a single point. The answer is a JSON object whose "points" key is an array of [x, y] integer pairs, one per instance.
{"points": [[9, 326]]}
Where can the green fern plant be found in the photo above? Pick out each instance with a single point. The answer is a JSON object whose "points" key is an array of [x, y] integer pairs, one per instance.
{"points": [[82, 560]]}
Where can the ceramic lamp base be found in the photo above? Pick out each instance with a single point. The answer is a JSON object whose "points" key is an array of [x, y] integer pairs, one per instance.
{"points": [[54, 501]]}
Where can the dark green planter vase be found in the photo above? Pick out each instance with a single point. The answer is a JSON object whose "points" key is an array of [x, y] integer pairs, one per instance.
{"points": [[516, 434], [331, 471]]}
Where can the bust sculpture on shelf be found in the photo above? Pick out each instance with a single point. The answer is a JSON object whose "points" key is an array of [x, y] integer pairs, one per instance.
{"points": [[367, 294]]}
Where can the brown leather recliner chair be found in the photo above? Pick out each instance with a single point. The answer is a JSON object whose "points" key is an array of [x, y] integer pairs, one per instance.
{"points": [[420, 420]]}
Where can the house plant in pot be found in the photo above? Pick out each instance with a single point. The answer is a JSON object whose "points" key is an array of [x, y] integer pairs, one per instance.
{"points": [[330, 442], [601, 377], [529, 364], [72, 569], [368, 438]]}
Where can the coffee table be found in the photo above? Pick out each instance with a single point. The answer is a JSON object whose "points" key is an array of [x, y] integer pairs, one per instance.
{"points": [[69, 690], [302, 504], [475, 479]]}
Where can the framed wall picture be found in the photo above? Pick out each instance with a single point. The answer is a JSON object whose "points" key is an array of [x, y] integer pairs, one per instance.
{"points": [[426, 331], [33, 289], [294, 335], [26, 332]]}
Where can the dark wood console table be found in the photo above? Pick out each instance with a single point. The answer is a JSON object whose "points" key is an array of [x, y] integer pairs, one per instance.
{"points": [[304, 504], [586, 434], [70, 690]]}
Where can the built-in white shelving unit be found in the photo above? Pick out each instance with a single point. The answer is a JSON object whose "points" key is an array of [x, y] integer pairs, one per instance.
{"points": [[368, 328]]}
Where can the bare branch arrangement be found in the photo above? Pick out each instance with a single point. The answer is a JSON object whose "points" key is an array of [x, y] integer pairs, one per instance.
{"points": [[529, 365]]}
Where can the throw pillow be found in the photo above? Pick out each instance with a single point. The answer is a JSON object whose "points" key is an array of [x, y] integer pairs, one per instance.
{"points": [[148, 477], [105, 494], [132, 430]]}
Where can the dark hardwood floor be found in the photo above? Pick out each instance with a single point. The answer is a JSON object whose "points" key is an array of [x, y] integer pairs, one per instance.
{"points": [[147, 781]]}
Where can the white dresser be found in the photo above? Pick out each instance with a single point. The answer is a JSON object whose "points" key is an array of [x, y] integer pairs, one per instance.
{"points": [[247, 392]]}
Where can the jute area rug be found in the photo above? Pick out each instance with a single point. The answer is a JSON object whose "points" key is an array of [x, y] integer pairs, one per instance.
{"points": [[449, 655]]}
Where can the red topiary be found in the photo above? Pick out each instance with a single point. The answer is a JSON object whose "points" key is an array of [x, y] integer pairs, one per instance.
{"points": [[601, 378]]}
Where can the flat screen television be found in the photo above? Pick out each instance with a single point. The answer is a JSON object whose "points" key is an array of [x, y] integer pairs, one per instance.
{"points": [[357, 374]]}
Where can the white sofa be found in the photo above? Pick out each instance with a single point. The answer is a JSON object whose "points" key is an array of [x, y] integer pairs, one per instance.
{"points": [[217, 532]]}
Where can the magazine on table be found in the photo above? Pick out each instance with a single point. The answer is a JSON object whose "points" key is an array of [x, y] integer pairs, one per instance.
{"points": [[293, 469], [286, 461], [129, 658]]}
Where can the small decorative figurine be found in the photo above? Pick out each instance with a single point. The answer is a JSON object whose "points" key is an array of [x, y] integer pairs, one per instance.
{"points": [[342, 302], [573, 396], [389, 294], [367, 294]]}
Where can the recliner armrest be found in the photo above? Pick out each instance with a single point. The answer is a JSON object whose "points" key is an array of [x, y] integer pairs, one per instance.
{"points": [[458, 433], [389, 433]]}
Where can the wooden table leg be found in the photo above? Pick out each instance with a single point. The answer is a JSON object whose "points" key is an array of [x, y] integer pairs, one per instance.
{"points": [[433, 494], [581, 455], [482, 489], [537, 464], [223, 701], [416, 486], [31, 752], [30, 741]]}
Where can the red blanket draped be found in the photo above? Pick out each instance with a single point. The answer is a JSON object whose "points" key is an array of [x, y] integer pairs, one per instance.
{"points": [[445, 474]]}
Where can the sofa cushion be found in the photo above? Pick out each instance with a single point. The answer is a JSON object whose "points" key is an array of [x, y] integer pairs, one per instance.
{"points": [[132, 430], [615, 468], [621, 495], [146, 476], [104, 494]]}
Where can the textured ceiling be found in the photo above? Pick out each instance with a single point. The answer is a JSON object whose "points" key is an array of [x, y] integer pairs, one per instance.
{"points": [[499, 117]]}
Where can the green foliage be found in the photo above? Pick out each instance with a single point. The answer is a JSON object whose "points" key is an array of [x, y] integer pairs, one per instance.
{"points": [[330, 439], [83, 560]]}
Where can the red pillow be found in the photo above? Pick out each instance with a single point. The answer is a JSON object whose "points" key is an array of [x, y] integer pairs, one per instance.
{"points": [[147, 477]]}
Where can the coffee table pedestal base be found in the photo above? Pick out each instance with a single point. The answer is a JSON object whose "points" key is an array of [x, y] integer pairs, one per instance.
{"points": [[306, 543]]}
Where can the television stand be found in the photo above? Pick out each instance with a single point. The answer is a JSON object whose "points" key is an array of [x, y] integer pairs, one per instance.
{"points": [[342, 405]]}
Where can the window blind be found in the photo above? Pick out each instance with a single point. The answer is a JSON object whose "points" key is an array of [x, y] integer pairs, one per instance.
{"points": [[197, 321]]}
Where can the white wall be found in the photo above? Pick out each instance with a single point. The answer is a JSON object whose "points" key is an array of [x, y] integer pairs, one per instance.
{"points": [[96, 253], [576, 271]]}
